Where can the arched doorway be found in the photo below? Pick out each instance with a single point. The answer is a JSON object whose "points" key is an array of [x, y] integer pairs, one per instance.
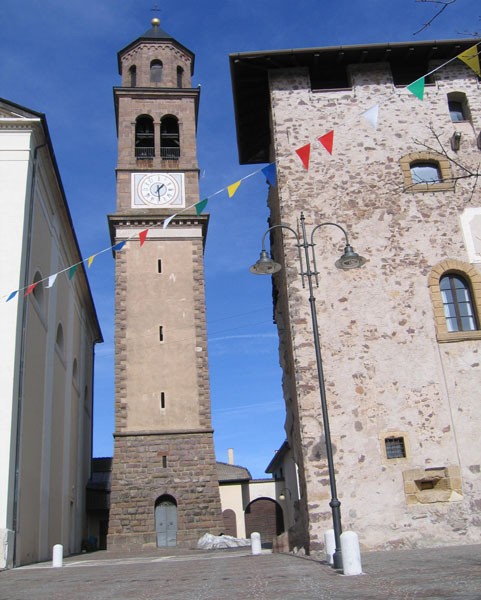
{"points": [[166, 521], [230, 524], [264, 515]]}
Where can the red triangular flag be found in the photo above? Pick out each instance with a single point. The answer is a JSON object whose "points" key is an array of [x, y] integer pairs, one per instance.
{"points": [[304, 153], [142, 236], [326, 140], [31, 288]]}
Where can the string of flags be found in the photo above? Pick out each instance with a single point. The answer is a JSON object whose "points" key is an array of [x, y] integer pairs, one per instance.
{"points": [[470, 57]]}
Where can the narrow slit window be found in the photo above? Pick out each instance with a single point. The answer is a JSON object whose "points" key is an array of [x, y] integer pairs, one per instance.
{"points": [[164, 461], [162, 399], [159, 266], [161, 333], [395, 447]]}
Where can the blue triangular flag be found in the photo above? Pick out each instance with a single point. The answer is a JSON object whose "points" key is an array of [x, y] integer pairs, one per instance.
{"points": [[12, 295], [119, 246], [270, 173]]}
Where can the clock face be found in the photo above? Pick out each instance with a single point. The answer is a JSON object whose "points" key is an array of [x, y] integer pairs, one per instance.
{"points": [[157, 189]]}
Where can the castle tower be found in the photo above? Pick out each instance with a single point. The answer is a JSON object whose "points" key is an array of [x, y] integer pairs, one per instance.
{"points": [[164, 482]]}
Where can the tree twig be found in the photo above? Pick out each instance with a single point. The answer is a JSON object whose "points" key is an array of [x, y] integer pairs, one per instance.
{"points": [[445, 4]]}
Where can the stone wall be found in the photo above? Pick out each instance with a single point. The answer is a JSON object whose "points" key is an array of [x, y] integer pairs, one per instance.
{"points": [[385, 371], [139, 479]]}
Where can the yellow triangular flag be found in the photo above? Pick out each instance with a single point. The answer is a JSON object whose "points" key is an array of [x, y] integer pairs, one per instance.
{"points": [[90, 261], [232, 189], [471, 58]]}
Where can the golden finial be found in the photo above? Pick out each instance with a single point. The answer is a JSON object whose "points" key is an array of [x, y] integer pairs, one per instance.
{"points": [[155, 22]]}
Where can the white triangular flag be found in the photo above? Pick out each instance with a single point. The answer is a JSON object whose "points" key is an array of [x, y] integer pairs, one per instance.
{"points": [[371, 115], [51, 280], [167, 221]]}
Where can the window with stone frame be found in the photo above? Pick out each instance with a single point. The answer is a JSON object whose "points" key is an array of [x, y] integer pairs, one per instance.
{"points": [[426, 172], [455, 288], [133, 76], [458, 107]]}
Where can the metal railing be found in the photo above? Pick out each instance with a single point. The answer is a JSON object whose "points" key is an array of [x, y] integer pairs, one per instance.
{"points": [[170, 153], [144, 152]]}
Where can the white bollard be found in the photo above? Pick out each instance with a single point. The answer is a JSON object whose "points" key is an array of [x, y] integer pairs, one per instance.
{"points": [[329, 545], [256, 543], [57, 556], [351, 553]]}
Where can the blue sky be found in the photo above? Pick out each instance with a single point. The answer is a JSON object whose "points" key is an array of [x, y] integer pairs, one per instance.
{"points": [[60, 57]]}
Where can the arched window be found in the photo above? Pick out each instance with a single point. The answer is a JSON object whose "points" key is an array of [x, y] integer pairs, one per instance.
{"points": [[458, 107], [455, 288], [133, 76], [59, 342], [75, 370], [457, 303], [169, 138], [156, 71], [425, 172], [38, 289], [180, 76], [144, 137]]}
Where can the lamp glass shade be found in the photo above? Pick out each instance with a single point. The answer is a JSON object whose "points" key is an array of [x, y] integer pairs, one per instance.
{"points": [[350, 260], [265, 265]]}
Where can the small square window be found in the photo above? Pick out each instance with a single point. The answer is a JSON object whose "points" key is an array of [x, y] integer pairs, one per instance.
{"points": [[395, 447]]}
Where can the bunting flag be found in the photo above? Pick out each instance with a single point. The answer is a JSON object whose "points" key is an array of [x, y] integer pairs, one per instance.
{"points": [[327, 140], [51, 280], [471, 58], [142, 236], [270, 174], [232, 189], [371, 115], [304, 153], [71, 271], [167, 221], [200, 206], [31, 288], [417, 88]]}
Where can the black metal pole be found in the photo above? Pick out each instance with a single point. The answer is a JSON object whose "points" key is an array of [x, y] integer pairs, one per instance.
{"points": [[334, 503]]}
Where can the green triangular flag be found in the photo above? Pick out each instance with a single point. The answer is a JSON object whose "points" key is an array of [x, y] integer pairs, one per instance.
{"points": [[199, 207], [71, 271], [417, 88]]}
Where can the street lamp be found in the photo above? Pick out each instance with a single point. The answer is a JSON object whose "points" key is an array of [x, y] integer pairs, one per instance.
{"points": [[349, 260]]}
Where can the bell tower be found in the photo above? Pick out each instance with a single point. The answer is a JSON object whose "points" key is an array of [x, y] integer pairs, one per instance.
{"points": [[164, 482]]}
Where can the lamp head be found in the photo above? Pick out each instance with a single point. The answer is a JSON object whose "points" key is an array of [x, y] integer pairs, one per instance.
{"points": [[265, 265], [350, 259]]}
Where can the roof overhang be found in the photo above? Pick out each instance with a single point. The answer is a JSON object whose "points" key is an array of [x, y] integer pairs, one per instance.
{"points": [[250, 84]]}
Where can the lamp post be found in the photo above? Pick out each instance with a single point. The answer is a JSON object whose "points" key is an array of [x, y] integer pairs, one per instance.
{"points": [[349, 260]]}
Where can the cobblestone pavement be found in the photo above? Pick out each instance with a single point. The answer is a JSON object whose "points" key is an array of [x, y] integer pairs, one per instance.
{"points": [[171, 574]]}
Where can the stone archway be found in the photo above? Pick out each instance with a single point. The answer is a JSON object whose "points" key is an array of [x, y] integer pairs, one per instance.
{"points": [[264, 515]]}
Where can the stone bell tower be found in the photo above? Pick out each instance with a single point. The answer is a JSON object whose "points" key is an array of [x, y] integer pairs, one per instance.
{"points": [[164, 483]]}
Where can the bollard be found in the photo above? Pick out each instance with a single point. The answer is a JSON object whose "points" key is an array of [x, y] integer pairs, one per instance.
{"points": [[351, 554], [57, 556], [256, 543], [329, 545]]}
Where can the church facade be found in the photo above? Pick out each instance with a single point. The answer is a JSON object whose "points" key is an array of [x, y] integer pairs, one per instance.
{"points": [[164, 483], [400, 337], [49, 331]]}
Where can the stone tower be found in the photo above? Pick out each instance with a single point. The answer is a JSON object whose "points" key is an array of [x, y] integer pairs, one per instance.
{"points": [[164, 484]]}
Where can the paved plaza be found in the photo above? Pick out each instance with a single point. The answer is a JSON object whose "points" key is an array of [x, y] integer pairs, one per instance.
{"points": [[173, 574]]}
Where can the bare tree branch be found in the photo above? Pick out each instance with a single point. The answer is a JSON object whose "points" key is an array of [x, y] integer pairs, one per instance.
{"points": [[468, 173], [444, 3]]}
